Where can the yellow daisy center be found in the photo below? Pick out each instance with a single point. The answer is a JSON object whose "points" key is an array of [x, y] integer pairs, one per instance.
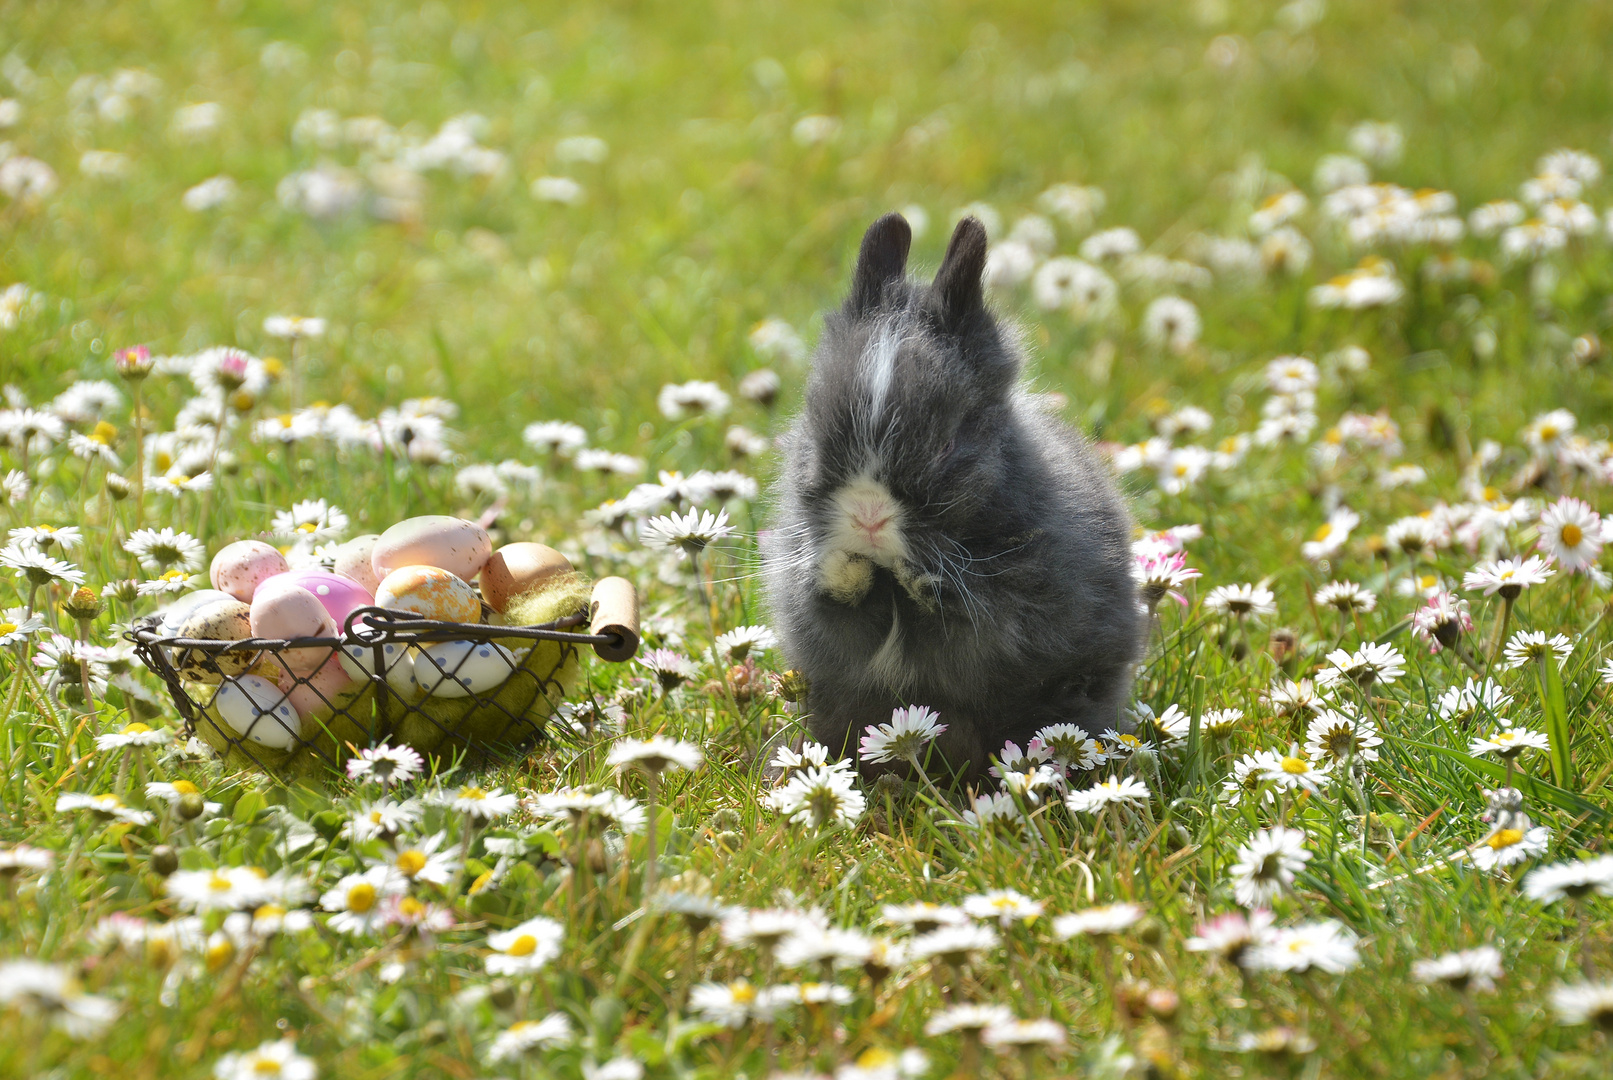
{"points": [[1322, 533], [220, 883], [1296, 766], [361, 897], [1504, 838], [525, 945], [265, 1067], [411, 863], [1572, 535], [219, 954], [472, 793], [135, 729], [185, 787], [743, 993], [8, 627]]}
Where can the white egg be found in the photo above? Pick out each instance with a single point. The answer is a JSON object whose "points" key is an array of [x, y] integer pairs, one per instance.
{"points": [[461, 668], [359, 662], [259, 710]]}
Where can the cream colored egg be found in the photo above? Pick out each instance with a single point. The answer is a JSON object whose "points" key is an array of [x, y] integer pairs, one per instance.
{"points": [[353, 559], [453, 544], [258, 710], [239, 568], [430, 592], [451, 669], [222, 619]]}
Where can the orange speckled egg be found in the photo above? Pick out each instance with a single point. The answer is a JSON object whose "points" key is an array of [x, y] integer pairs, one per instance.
{"points": [[431, 592]]}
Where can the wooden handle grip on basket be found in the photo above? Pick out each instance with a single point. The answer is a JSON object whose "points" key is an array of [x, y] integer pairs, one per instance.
{"points": [[614, 610]]}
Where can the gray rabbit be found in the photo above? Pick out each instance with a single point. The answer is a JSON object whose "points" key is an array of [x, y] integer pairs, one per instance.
{"points": [[940, 539]]}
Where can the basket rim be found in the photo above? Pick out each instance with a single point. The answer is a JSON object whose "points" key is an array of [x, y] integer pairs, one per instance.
{"points": [[380, 626]]}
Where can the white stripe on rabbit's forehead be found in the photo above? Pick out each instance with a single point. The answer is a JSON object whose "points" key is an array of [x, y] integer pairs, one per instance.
{"points": [[879, 364]]}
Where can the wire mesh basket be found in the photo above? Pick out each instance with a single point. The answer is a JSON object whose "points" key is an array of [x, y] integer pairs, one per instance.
{"points": [[300, 706]]}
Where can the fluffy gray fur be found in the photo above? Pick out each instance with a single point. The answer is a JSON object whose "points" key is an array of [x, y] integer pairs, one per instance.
{"points": [[1014, 605]]}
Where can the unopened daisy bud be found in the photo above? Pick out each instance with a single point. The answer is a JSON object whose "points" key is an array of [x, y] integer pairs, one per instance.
{"points": [[1163, 1002], [164, 860], [792, 685], [502, 996], [124, 591], [132, 364], [190, 806], [118, 487], [242, 402], [83, 605]]}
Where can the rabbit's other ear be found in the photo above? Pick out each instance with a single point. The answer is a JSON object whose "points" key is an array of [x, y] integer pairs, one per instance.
{"points": [[881, 260], [957, 283]]}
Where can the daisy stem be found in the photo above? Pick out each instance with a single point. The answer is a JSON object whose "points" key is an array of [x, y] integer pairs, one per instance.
{"points": [[1500, 633], [703, 593], [466, 836], [1470, 1008], [84, 665], [123, 770], [924, 778], [1100, 945], [139, 456], [652, 857]]}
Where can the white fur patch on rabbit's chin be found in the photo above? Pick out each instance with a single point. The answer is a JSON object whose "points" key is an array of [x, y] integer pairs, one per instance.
{"points": [[865, 531]]}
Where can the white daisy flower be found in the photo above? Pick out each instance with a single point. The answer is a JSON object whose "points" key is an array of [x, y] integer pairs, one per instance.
{"points": [[525, 948], [1267, 864], [1469, 969], [910, 730], [1116, 791], [1097, 921]]}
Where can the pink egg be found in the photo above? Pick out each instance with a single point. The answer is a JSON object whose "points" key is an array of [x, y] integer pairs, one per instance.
{"points": [[339, 594], [239, 568], [284, 609], [431, 592], [353, 560], [453, 544], [316, 693]]}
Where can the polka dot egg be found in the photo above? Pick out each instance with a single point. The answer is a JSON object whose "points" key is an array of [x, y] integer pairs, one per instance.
{"points": [[259, 710], [452, 669]]}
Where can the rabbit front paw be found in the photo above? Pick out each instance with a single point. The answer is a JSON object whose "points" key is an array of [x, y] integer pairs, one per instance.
{"points": [[846, 577]]}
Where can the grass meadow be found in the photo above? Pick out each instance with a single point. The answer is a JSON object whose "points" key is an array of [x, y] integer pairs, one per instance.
{"points": [[1330, 284]]}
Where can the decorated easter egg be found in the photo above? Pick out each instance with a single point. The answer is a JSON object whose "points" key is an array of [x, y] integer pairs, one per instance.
{"points": [[222, 619], [450, 669], [174, 615], [315, 696], [239, 568], [353, 561], [430, 592], [339, 594], [284, 609], [258, 710], [453, 544], [517, 568], [397, 661]]}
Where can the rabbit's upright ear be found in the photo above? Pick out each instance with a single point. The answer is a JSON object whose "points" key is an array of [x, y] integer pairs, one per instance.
{"points": [[882, 259], [957, 283]]}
